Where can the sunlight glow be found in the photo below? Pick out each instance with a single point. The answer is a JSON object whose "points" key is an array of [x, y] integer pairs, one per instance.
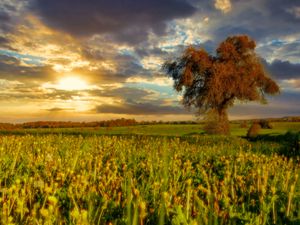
{"points": [[68, 83], [72, 83]]}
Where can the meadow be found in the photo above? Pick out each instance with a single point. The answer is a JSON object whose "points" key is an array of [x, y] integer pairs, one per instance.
{"points": [[154, 174], [171, 130]]}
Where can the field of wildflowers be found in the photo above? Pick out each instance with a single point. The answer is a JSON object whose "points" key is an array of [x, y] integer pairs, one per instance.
{"points": [[65, 179]]}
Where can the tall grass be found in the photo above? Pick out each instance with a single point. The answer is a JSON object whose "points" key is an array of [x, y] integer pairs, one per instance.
{"points": [[56, 179]]}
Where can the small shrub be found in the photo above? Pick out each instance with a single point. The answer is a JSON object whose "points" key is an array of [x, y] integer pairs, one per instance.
{"points": [[244, 124], [265, 124], [216, 127], [253, 130]]}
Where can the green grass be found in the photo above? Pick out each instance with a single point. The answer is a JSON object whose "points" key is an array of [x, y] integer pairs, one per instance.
{"points": [[282, 127], [154, 174], [156, 130]]}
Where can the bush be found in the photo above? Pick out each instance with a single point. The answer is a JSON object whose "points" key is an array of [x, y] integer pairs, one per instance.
{"points": [[244, 124], [292, 146], [217, 127], [253, 130], [265, 124]]}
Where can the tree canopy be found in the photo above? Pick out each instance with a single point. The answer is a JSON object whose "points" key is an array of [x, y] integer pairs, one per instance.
{"points": [[212, 83]]}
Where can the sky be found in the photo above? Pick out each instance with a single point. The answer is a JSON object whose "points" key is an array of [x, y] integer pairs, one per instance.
{"points": [[87, 60]]}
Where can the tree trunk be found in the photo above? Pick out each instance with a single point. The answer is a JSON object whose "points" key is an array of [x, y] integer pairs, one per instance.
{"points": [[217, 122], [223, 122]]}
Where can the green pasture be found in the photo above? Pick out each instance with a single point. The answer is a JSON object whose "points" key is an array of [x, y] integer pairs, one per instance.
{"points": [[279, 128]]}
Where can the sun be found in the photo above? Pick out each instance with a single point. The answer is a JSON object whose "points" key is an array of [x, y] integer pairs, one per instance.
{"points": [[71, 83]]}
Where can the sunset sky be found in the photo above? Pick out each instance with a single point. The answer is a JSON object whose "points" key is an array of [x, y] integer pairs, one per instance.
{"points": [[86, 60]]}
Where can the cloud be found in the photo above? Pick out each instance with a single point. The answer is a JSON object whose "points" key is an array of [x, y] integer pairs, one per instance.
{"points": [[33, 39], [261, 19], [223, 5], [295, 11], [4, 43], [57, 109], [287, 103], [126, 20], [117, 48], [5, 21], [10, 14], [286, 49], [122, 92], [283, 70], [136, 101], [158, 80], [296, 83], [63, 55], [287, 10], [113, 67], [143, 51], [293, 84], [12, 68], [30, 92], [135, 108]]}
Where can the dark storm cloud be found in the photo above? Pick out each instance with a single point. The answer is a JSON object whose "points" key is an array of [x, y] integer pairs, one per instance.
{"points": [[283, 10], [127, 20], [12, 69], [136, 108], [250, 21], [283, 70], [5, 21], [258, 18]]}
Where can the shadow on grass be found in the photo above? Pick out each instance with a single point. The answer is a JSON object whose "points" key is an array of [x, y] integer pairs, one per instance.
{"points": [[289, 142]]}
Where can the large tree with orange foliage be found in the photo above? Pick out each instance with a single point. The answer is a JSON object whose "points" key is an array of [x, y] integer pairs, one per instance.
{"points": [[212, 83]]}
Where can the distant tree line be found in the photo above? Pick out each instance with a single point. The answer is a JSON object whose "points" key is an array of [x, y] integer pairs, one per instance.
{"points": [[167, 122], [70, 124], [270, 120], [129, 122]]}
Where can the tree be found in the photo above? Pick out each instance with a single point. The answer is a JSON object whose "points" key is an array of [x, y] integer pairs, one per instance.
{"points": [[212, 83]]}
